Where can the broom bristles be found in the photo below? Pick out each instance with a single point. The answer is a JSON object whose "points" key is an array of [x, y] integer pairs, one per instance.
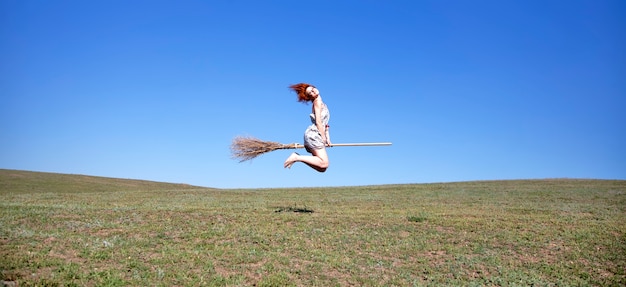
{"points": [[246, 148]]}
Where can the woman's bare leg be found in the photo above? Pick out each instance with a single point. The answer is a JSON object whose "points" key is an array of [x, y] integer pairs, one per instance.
{"points": [[318, 161]]}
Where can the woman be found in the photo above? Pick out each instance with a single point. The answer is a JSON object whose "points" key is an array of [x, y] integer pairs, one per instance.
{"points": [[316, 136]]}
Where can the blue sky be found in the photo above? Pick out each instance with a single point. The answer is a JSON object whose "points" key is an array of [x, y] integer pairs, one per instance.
{"points": [[465, 90]]}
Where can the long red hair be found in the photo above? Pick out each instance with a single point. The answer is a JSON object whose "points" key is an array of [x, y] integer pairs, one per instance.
{"points": [[300, 89]]}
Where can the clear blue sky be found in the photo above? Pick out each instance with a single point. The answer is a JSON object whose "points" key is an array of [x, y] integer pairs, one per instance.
{"points": [[465, 90]]}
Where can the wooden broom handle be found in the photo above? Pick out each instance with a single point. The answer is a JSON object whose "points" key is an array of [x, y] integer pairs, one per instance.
{"points": [[360, 144], [297, 145]]}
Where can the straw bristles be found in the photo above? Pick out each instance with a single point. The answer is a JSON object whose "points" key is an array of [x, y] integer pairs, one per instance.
{"points": [[247, 148]]}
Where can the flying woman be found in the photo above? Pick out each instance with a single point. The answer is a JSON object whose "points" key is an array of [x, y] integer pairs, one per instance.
{"points": [[316, 136]]}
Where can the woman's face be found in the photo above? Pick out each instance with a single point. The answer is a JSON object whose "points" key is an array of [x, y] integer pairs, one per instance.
{"points": [[312, 91]]}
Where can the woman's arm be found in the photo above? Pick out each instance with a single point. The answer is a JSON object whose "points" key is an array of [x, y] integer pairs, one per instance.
{"points": [[328, 135], [317, 110]]}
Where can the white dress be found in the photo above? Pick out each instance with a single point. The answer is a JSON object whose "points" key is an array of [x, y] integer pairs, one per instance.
{"points": [[312, 136]]}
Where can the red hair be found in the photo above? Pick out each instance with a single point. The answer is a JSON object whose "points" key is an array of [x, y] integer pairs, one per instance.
{"points": [[300, 89]]}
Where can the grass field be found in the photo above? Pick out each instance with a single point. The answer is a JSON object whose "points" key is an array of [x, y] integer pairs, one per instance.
{"points": [[71, 230]]}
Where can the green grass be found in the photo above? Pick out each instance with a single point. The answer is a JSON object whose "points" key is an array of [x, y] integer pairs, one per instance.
{"points": [[71, 230]]}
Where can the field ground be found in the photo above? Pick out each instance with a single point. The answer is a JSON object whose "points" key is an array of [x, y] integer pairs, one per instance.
{"points": [[72, 230]]}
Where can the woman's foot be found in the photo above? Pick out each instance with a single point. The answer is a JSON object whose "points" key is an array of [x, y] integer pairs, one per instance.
{"points": [[291, 160]]}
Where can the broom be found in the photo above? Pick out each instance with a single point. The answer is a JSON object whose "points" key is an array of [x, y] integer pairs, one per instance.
{"points": [[247, 148]]}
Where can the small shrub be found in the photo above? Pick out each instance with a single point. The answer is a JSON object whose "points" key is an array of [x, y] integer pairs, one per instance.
{"points": [[417, 218]]}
